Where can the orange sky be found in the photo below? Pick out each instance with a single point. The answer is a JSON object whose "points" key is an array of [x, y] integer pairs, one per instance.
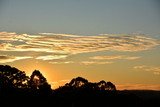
{"points": [[120, 58]]}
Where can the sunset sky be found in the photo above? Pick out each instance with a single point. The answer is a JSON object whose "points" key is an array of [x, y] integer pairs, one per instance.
{"points": [[111, 40]]}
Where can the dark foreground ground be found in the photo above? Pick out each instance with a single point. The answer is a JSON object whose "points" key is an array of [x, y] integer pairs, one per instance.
{"points": [[125, 98]]}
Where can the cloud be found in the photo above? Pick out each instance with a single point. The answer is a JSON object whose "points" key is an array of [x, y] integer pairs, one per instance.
{"points": [[94, 63], [5, 36], [132, 57], [52, 57], [5, 46], [114, 57], [12, 36], [6, 59], [138, 86], [56, 34], [106, 57], [74, 44], [80, 44], [65, 62], [100, 60], [82, 62], [155, 70]]}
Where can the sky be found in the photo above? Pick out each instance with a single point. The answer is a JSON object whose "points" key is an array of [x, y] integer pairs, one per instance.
{"points": [[111, 40]]}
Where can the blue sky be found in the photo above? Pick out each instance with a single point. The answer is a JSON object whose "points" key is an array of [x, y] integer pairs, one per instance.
{"points": [[86, 17]]}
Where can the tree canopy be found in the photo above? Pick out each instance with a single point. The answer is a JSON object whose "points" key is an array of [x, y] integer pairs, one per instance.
{"points": [[82, 83], [11, 77]]}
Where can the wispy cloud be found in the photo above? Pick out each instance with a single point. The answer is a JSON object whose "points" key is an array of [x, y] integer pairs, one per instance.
{"points": [[155, 70], [100, 60], [132, 57], [52, 57], [73, 44], [95, 63], [65, 62], [106, 57], [138, 86], [5, 47], [5, 58], [80, 44], [114, 57], [82, 62], [56, 34]]}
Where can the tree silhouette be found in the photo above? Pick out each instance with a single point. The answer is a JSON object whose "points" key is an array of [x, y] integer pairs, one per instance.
{"points": [[106, 86], [78, 82], [11, 77], [38, 82], [102, 85], [82, 83], [110, 86]]}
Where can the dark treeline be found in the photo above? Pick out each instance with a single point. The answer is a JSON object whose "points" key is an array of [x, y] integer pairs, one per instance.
{"points": [[18, 89]]}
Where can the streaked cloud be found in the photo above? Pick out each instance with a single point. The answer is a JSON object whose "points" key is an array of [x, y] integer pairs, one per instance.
{"points": [[106, 57], [5, 47], [6, 59], [80, 44], [56, 34], [155, 70], [99, 60], [114, 57], [94, 62], [70, 44], [65, 62], [82, 62], [52, 57], [132, 57], [138, 86]]}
